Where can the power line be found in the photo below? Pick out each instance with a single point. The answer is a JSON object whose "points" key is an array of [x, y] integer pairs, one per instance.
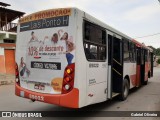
{"points": [[148, 35]]}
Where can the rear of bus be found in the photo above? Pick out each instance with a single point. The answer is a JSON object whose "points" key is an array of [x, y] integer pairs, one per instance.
{"points": [[45, 57]]}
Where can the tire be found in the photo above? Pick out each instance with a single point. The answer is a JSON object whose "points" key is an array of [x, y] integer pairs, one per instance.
{"points": [[145, 82], [125, 91]]}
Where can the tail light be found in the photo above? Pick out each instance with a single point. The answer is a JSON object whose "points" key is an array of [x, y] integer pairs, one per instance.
{"points": [[17, 74], [68, 79]]}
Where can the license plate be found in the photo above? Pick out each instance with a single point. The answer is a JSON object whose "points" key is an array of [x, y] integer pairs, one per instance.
{"points": [[39, 86]]}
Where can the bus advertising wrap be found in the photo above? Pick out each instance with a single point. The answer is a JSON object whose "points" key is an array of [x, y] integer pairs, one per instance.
{"points": [[45, 46]]}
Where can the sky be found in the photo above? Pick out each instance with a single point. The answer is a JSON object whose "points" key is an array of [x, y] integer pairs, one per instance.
{"points": [[135, 18]]}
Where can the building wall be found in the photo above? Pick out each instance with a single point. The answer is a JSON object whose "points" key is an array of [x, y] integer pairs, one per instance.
{"points": [[2, 36], [7, 53], [2, 61], [7, 58], [10, 61], [7, 35]]}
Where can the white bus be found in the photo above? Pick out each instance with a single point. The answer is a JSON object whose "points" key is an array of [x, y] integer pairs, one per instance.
{"points": [[69, 58]]}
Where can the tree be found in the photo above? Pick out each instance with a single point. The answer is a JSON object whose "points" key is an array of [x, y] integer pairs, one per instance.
{"points": [[158, 52], [154, 49], [158, 61]]}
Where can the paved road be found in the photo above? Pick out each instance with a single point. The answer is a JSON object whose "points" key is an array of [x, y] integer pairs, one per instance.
{"points": [[146, 98]]}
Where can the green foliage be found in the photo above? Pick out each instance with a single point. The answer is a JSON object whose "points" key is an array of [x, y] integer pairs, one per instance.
{"points": [[158, 51], [158, 61], [155, 51]]}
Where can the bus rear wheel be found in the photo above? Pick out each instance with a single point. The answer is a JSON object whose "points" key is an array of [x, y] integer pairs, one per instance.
{"points": [[145, 82], [125, 90]]}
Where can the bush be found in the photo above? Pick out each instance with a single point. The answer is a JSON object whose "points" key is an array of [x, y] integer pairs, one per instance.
{"points": [[158, 61]]}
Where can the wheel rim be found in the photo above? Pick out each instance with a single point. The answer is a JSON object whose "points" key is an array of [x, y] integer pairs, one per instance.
{"points": [[125, 90]]}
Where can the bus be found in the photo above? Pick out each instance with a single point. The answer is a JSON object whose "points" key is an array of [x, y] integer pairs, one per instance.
{"points": [[68, 58]]}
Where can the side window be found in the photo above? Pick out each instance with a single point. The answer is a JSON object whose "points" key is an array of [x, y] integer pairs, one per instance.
{"points": [[109, 48], [132, 52], [102, 53], [138, 56], [94, 42], [149, 56], [116, 49], [142, 56], [86, 31], [126, 50], [146, 56], [94, 51]]}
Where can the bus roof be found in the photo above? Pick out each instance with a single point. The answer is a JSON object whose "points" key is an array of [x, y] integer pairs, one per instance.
{"points": [[138, 44]]}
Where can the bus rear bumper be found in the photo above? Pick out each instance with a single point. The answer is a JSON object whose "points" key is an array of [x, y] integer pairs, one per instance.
{"points": [[70, 99]]}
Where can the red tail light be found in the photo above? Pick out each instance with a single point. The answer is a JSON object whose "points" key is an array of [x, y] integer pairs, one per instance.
{"points": [[68, 79], [17, 74]]}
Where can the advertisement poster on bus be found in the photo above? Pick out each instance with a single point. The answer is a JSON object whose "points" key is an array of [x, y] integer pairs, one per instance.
{"points": [[49, 48]]}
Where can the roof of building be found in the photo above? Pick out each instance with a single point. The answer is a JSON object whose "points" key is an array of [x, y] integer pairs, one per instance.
{"points": [[4, 4], [10, 14]]}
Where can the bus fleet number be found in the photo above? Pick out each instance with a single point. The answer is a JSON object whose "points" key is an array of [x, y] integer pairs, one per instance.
{"points": [[36, 97]]}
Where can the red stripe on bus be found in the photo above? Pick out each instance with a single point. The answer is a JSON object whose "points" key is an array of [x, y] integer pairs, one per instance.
{"points": [[138, 82], [70, 99]]}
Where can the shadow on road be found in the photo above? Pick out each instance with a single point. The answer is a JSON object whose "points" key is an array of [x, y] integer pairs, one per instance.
{"points": [[98, 106]]}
